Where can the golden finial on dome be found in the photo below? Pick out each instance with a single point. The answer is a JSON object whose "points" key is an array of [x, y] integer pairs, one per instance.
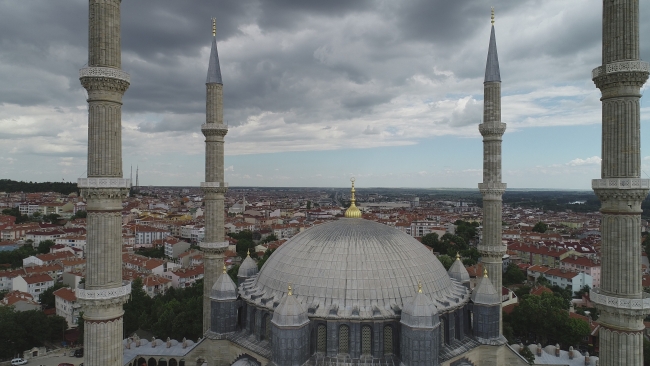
{"points": [[214, 27], [249, 252], [419, 287], [493, 15], [352, 212], [457, 256], [225, 270], [485, 273], [290, 293]]}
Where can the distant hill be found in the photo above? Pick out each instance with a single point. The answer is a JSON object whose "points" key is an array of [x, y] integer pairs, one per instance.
{"points": [[10, 186]]}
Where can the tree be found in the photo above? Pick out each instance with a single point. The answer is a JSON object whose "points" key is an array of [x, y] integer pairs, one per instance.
{"points": [[79, 215], [540, 227], [513, 275], [309, 205], [51, 218], [138, 304], [526, 353], [47, 298], [269, 239], [44, 246], [446, 261], [583, 290]]}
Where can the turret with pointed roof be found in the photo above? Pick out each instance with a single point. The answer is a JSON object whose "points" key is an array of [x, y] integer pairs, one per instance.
{"points": [[214, 187], [492, 129]]}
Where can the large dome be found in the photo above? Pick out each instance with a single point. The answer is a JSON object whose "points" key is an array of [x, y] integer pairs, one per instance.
{"points": [[353, 267]]}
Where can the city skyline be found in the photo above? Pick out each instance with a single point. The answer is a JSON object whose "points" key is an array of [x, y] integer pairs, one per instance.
{"points": [[316, 93]]}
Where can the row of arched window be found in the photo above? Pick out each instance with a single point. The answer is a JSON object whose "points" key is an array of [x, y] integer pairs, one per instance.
{"points": [[344, 339], [157, 362]]}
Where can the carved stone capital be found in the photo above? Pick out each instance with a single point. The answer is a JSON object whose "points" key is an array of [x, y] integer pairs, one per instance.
{"points": [[105, 72], [497, 129], [622, 79], [104, 84], [103, 183], [214, 129], [104, 298], [623, 195], [492, 191], [622, 66]]}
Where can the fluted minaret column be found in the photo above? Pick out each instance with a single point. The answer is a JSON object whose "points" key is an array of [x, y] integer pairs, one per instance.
{"points": [[104, 292], [214, 187], [620, 299], [491, 247]]}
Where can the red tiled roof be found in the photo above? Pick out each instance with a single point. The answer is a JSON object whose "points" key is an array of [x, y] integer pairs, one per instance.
{"points": [[66, 294]]}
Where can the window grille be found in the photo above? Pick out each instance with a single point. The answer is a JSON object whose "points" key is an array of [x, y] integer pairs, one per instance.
{"points": [[366, 340], [344, 339], [388, 339], [322, 338]]}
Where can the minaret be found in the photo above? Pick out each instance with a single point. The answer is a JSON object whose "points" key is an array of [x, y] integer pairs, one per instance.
{"points": [[214, 188], [104, 292], [620, 298], [491, 248]]}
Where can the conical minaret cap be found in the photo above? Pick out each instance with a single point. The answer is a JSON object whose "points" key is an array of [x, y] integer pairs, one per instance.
{"points": [[458, 271], [492, 72], [214, 70], [290, 312], [224, 288], [420, 312], [248, 267], [484, 293]]}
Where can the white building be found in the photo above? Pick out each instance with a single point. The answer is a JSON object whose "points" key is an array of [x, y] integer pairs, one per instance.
{"points": [[33, 284], [66, 305]]}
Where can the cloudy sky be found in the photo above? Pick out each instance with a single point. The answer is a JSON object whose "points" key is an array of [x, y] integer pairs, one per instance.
{"points": [[315, 91]]}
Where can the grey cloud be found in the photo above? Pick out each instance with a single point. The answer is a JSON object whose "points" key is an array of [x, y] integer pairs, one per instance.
{"points": [[174, 123]]}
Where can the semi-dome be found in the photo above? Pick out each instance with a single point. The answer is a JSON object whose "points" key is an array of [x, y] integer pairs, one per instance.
{"points": [[353, 267]]}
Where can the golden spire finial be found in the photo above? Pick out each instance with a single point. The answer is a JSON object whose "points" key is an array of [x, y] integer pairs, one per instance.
{"points": [[290, 293], [352, 211], [249, 252], [225, 270], [214, 27], [493, 15], [485, 273], [419, 287], [457, 256]]}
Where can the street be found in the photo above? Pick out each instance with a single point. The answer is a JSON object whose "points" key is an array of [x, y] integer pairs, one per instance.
{"points": [[56, 358]]}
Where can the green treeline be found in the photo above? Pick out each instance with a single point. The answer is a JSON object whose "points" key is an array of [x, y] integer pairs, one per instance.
{"points": [[8, 185], [22, 330], [176, 314]]}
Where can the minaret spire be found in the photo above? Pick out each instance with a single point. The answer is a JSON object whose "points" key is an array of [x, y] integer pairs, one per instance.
{"points": [[620, 298], [352, 211], [492, 130], [214, 188], [214, 69]]}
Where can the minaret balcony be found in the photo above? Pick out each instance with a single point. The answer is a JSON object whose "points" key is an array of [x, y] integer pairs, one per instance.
{"points": [[620, 183], [104, 72], [621, 302], [103, 183], [623, 66], [104, 294]]}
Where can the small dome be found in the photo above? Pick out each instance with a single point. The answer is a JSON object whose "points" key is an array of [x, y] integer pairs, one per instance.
{"points": [[485, 294], [289, 312], [420, 311], [458, 271], [224, 288], [248, 267]]}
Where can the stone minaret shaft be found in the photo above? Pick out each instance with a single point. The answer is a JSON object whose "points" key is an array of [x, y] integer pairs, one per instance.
{"points": [[104, 292], [620, 299], [214, 187], [491, 247]]}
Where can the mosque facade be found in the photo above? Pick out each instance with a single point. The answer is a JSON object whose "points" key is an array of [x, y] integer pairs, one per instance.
{"points": [[352, 291]]}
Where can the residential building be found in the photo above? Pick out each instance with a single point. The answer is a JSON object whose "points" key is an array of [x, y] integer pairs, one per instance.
{"points": [[65, 302], [32, 284]]}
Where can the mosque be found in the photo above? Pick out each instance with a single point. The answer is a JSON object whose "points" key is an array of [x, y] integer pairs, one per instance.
{"points": [[351, 291]]}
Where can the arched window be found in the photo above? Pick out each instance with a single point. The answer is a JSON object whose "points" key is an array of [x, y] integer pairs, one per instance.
{"points": [[181, 362], [172, 362], [142, 362], [151, 362], [366, 340], [252, 322], [264, 328], [162, 362], [388, 340], [321, 343], [344, 339], [240, 317], [442, 332]]}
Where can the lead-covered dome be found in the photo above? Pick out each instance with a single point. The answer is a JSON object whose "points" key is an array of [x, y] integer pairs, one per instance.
{"points": [[353, 267]]}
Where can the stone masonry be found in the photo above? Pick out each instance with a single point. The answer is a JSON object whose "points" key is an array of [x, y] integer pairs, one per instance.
{"points": [[214, 188], [620, 298], [491, 247], [104, 189]]}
